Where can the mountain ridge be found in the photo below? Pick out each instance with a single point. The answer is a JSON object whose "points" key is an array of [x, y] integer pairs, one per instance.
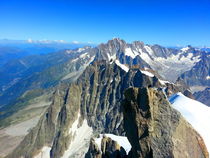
{"points": [[89, 97]]}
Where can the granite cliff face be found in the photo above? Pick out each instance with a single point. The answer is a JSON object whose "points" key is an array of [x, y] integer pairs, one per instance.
{"points": [[52, 128], [96, 97], [155, 129]]}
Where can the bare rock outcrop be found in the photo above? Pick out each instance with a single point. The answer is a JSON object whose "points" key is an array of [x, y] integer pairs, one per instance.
{"points": [[108, 149], [155, 129]]}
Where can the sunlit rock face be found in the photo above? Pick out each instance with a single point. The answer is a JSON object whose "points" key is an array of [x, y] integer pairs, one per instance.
{"points": [[155, 129]]}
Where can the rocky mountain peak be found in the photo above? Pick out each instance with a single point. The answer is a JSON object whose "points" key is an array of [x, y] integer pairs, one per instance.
{"points": [[91, 104], [116, 43], [155, 129]]}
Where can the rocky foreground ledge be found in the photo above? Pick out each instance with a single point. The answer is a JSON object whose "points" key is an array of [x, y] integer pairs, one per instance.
{"points": [[155, 129]]}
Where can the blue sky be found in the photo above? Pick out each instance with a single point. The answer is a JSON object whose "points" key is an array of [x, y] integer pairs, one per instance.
{"points": [[166, 22]]}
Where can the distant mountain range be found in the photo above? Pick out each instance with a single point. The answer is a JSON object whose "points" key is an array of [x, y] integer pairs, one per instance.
{"points": [[122, 90], [15, 49], [49, 43]]}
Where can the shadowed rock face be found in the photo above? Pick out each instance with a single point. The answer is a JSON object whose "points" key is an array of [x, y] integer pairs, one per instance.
{"points": [[203, 96], [103, 86], [198, 75], [155, 129], [97, 96], [53, 127]]}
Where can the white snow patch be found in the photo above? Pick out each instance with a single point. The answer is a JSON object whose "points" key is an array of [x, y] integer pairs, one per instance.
{"points": [[84, 55], [190, 55], [146, 68], [73, 128], [129, 52], [121, 140], [208, 77], [176, 59], [146, 57], [163, 82], [98, 141], [147, 73], [135, 53], [125, 68], [149, 50], [111, 57], [80, 50], [44, 153], [74, 60], [165, 66], [185, 49], [196, 113], [91, 59], [81, 69], [79, 145]]}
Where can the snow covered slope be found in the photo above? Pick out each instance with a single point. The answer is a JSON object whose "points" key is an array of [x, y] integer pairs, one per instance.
{"points": [[196, 113], [161, 59], [122, 66]]}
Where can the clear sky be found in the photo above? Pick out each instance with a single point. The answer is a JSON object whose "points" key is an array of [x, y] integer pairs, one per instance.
{"points": [[166, 22]]}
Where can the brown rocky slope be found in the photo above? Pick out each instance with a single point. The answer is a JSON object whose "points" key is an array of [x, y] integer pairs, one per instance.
{"points": [[155, 129]]}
